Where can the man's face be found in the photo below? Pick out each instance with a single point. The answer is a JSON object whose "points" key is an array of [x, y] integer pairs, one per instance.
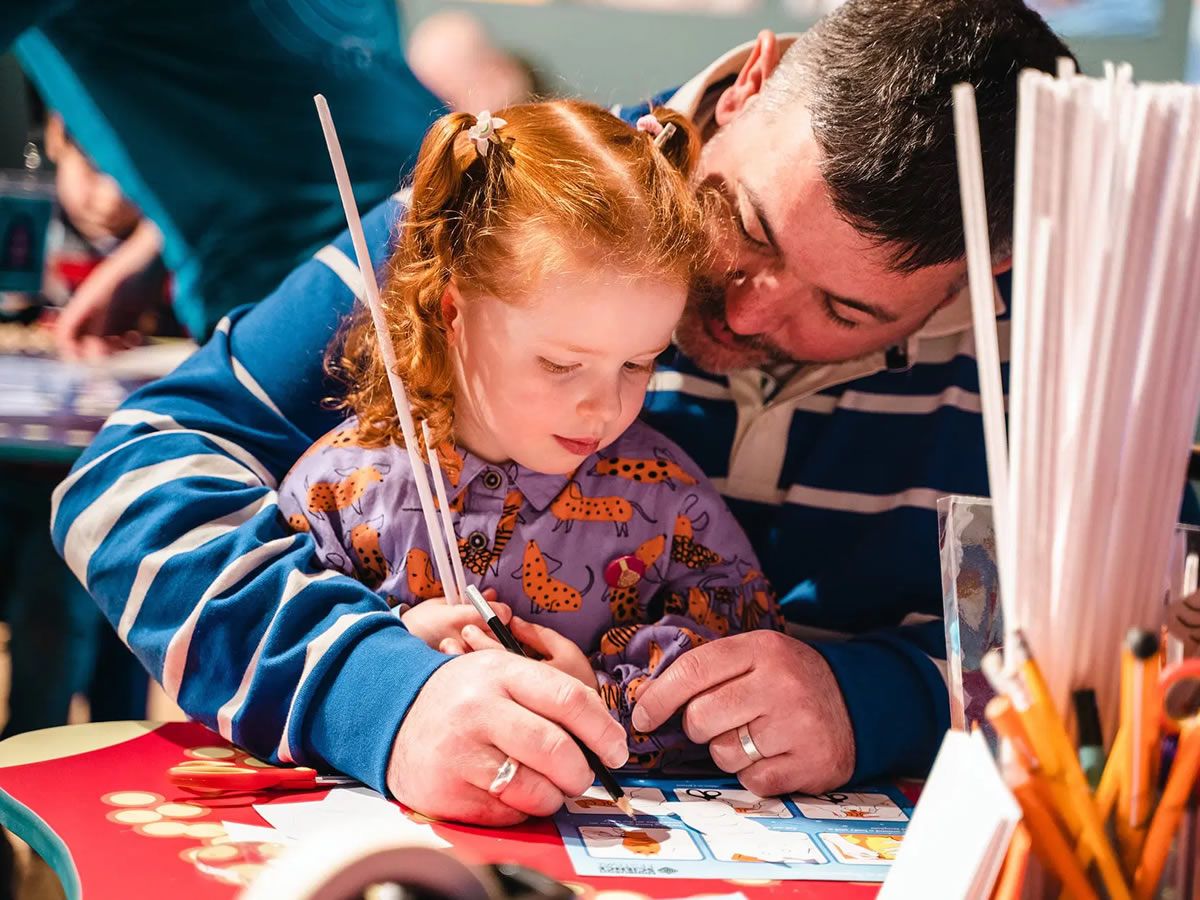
{"points": [[794, 281]]}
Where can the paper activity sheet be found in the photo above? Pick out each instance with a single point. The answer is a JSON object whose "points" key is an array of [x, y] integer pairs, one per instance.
{"points": [[715, 828]]}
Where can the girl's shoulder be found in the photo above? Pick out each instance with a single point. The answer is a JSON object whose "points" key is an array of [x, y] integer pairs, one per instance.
{"points": [[341, 453]]}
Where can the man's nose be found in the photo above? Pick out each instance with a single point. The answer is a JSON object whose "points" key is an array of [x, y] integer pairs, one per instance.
{"points": [[748, 307]]}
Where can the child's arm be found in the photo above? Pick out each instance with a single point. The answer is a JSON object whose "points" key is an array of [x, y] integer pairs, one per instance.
{"points": [[711, 586]]}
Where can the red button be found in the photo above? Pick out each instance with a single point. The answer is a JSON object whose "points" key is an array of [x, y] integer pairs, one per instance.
{"points": [[624, 571]]}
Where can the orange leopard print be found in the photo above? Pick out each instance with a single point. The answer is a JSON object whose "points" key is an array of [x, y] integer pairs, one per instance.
{"points": [[371, 565], [297, 522], [685, 549], [648, 471], [572, 506], [701, 610], [625, 603], [546, 592], [419, 572], [480, 559], [331, 496], [617, 639]]}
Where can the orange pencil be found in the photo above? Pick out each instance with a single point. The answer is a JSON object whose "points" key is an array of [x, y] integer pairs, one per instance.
{"points": [[1139, 719], [1011, 882], [1049, 843], [1165, 824]]}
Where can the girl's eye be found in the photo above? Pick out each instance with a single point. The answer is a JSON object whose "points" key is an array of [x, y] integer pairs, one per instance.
{"points": [[643, 368], [555, 368]]}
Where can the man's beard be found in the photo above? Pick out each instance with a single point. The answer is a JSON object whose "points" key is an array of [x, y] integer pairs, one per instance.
{"points": [[706, 303]]}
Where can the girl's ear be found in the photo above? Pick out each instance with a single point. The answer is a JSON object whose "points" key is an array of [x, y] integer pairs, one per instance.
{"points": [[452, 312]]}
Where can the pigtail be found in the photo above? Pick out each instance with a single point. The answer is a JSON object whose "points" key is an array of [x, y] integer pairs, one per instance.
{"points": [[446, 180], [680, 144]]}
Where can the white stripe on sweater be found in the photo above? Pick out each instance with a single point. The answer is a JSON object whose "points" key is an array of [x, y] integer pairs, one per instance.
{"points": [[175, 660], [313, 653], [94, 523], [296, 582], [190, 540], [163, 425]]}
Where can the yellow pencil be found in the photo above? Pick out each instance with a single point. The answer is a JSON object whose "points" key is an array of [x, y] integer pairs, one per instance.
{"points": [[1165, 824], [1043, 717], [1049, 842], [1139, 720]]}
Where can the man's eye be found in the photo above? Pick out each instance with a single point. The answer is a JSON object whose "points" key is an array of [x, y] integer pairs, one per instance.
{"points": [[749, 238]]}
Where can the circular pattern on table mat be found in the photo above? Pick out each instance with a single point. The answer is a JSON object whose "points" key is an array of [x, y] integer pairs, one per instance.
{"points": [[255, 763], [132, 798], [181, 810], [210, 752], [133, 816], [165, 828], [246, 872], [205, 830], [216, 853]]}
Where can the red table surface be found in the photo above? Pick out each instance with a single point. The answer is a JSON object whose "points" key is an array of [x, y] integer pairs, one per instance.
{"points": [[114, 859]]}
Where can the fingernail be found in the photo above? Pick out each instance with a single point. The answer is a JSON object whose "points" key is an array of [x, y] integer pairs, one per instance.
{"points": [[469, 631], [618, 759], [640, 719]]}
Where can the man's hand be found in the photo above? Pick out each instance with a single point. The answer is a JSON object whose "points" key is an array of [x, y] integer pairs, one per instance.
{"points": [[781, 688], [478, 709], [440, 625]]}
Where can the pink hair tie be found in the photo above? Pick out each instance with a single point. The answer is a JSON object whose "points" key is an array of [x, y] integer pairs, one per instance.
{"points": [[649, 124]]}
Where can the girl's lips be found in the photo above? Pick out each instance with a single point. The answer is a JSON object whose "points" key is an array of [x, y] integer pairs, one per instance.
{"points": [[580, 447]]}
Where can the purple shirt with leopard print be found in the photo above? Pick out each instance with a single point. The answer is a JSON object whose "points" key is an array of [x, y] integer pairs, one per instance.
{"points": [[634, 557]]}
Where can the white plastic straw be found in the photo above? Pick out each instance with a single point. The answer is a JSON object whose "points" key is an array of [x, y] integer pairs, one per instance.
{"points": [[386, 350], [439, 486], [1105, 363]]}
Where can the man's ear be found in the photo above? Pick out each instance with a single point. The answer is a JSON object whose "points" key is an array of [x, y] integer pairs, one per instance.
{"points": [[999, 267], [764, 57], [452, 307]]}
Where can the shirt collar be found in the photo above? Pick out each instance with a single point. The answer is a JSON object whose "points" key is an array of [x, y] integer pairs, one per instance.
{"points": [[538, 488]]}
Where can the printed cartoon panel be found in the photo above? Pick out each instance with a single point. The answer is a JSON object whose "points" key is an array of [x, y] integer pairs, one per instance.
{"points": [[862, 849], [790, 847], [743, 803], [596, 802], [615, 842], [863, 807]]}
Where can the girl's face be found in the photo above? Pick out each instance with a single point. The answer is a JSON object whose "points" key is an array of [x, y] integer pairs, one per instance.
{"points": [[549, 381]]}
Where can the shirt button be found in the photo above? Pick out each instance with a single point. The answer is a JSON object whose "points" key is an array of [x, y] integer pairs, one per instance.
{"points": [[624, 572], [477, 540], [492, 479]]}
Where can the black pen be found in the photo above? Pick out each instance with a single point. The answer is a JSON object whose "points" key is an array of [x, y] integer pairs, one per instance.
{"points": [[505, 637]]}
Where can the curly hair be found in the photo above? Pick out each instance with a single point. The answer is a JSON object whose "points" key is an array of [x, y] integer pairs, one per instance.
{"points": [[567, 181]]}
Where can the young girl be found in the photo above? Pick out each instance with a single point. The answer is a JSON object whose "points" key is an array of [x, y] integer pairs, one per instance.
{"points": [[542, 267]]}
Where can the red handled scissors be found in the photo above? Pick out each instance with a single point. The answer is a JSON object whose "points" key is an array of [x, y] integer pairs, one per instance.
{"points": [[219, 775]]}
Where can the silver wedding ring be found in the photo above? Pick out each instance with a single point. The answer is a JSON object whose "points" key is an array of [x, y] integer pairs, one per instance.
{"points": [[748, 746], [504, 776]]}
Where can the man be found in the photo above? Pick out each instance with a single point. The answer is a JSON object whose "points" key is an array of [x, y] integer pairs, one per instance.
{"points": [[828, 387]]}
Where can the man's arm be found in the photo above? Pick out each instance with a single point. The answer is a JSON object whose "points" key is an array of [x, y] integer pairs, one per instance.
{"points": [[170, 520]]}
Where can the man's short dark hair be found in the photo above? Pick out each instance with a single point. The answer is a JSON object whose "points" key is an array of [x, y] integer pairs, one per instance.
{"points": [[876, 76]]}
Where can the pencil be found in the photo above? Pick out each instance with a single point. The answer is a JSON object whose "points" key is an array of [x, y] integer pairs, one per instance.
{"points": [[1165, 825], [1139, 712], [1049, 843], [505, 637]]}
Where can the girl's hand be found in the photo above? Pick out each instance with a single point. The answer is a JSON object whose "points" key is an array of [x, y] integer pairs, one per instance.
{"points": [[435, 622], [552, 647]]}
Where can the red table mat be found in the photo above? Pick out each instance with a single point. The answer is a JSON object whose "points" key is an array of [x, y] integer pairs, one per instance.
{"points": [[131, 833]]}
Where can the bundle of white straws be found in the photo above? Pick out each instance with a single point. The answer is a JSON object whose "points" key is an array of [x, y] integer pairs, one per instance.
{"points": [[1104, 366]]}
